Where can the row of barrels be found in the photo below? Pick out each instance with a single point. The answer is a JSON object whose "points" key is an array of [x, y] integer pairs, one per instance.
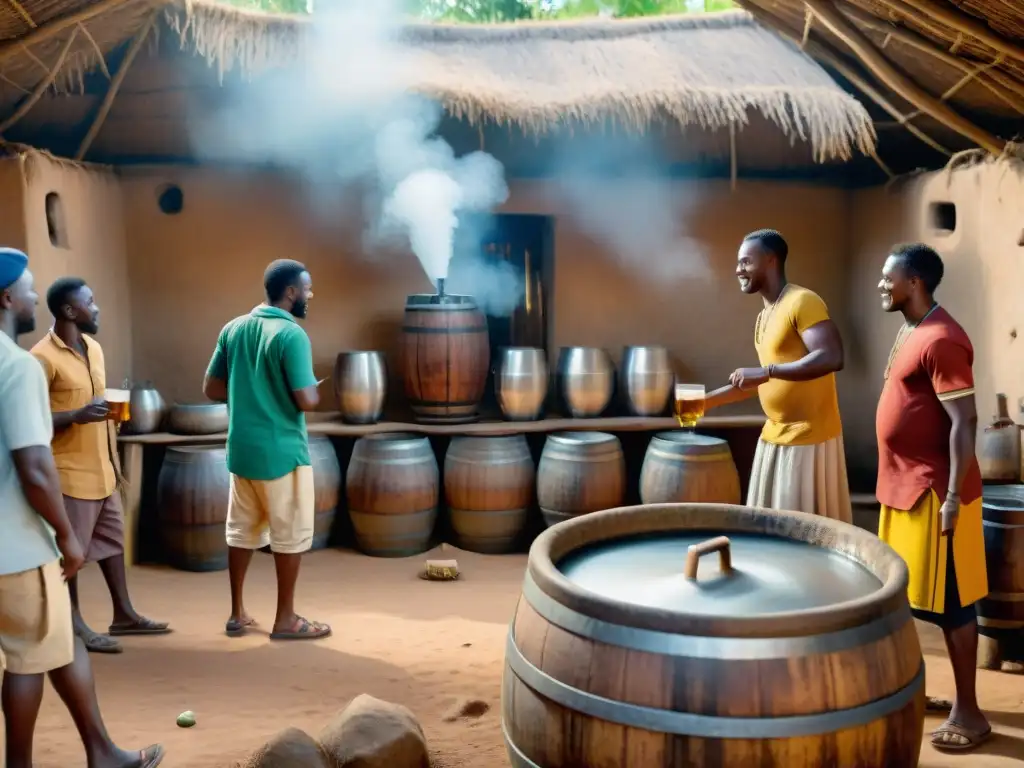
{"points": [[393, 489]]}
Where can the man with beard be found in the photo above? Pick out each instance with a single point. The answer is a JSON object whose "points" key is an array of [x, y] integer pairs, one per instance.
{"points": [[799, 463], [929, 483], [85, 450], [38, 551], [262, 367]]}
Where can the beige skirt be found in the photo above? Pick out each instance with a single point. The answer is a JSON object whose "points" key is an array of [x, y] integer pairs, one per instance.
{"points": [[802, 478]]}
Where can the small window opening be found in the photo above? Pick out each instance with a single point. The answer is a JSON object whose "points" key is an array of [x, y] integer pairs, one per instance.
{"points": [[171, 199], [942, 216], [56, 225]]}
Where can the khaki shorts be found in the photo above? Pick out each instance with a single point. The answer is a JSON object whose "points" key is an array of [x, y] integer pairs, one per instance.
{"points": [[36, 632], [276, 512]]}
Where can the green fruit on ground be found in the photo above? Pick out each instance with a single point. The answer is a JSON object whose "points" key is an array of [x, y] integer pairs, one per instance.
{"points": [[187, 719]]}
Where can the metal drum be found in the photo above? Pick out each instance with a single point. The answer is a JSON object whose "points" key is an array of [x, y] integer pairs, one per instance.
{"points": [[360, 386], [712, 636], [586, 380], [521, 382], [646, 379]]}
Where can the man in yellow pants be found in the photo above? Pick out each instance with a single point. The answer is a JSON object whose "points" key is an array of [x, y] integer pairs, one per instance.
{"points": [[929, 484]]}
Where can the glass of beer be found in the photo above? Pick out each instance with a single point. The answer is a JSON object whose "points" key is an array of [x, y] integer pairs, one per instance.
{"points": [[689, 406], [118, 400]]}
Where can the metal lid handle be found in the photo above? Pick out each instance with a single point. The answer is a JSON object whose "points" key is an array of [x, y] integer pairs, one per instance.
{"points": [[695, 552]]}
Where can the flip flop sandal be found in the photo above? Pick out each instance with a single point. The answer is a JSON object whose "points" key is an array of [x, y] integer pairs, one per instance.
{"points": [[97, 643], [972, 739], [151, 756], [143, 626], [236, 628], [938, 705], [307, 630]]}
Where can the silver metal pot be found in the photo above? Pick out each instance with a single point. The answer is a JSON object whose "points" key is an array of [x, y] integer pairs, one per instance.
{"points": [[198, 418], [646, 379], [360, 386], [146, 409], [521, 382], [586, 378]]}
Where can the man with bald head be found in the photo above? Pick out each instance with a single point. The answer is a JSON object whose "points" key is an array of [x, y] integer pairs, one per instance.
{"points": [[39, 552]]}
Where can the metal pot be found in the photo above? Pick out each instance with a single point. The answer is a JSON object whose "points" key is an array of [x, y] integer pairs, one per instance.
{"points": [[586, 378], [729, 607], [521, 382], [360, 386], [146, 409], [198, 418], [646, 378]]}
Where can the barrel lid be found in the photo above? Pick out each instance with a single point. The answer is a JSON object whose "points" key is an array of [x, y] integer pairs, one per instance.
{"points": [[787, 574], [437, 301], [582, 438], [767, 574], [1010, 496], [691, 443]]}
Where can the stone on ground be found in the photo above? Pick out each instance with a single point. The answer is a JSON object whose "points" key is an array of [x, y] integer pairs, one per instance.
{"points": [[291, 748], [370, 733]]}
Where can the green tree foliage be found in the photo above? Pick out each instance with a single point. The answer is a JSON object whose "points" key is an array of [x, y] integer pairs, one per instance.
{"points": [[489, 11]]}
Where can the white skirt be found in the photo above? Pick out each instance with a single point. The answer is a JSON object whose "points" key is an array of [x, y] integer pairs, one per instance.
{"points": [[801, 478]]}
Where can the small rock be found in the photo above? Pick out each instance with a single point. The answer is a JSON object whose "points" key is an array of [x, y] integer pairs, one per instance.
{"points": [[466, 645], [187, 719], [291, 748], [370, 733], [466, 708]]}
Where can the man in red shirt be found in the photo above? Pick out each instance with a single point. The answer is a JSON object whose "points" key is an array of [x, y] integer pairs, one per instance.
{"points": [[929, 484]]}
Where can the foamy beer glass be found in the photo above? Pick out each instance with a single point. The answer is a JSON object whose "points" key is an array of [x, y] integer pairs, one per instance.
{"points": [[118, 400], [689, 405]]}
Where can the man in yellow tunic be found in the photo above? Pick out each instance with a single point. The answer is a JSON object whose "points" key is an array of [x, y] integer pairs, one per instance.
{"points": [[929, 484], [800, 462]]}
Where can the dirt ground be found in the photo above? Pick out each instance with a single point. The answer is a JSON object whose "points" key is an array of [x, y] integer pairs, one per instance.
{"points": [[422, 644]]}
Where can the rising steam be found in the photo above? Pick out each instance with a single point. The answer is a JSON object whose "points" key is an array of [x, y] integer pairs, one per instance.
{"points": [[345, 115]]}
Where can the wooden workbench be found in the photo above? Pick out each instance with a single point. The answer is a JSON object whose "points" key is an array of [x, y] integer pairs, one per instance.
{"points": [[132, 447]]}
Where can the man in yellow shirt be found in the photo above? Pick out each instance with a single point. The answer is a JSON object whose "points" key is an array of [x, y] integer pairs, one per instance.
{"points": [[800, 462], [85, 450]]}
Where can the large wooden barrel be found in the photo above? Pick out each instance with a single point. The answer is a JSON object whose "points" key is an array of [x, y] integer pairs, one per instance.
{"points": [[712, 636], [326, 488], [682, 467], [1001, 613], [579, 472], [446, 356], [392, 490], [192, 507], [488, 483]]}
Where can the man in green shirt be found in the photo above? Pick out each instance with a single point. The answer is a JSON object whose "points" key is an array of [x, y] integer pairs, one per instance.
{"points": [[262, 368]]}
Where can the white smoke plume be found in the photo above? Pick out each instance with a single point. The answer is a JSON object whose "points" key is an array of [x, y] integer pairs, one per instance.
{"points": [[345, 117]]}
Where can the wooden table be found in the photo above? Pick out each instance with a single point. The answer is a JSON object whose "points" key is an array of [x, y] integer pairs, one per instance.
{"points": [[329, 425]]}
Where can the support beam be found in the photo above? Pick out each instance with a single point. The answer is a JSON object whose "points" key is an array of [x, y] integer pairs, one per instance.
{"points": [[881, 68], [825, 54], [115, 84], [41, 86], [967, 25]]}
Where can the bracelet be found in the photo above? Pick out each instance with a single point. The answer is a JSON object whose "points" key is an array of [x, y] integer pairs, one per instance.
{"points": [[770, 370], [952, 494]]}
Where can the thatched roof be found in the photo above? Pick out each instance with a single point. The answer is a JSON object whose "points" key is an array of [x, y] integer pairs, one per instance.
{"points": [[708, 72], [952, 71]]}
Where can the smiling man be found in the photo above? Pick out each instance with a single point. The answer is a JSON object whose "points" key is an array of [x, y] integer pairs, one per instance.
{"points": [[800, 462], [929, 483]]}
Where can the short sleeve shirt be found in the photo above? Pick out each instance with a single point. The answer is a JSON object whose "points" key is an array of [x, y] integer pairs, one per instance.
{"points": [[798, 412], [934, 365], [84, 453], [264, 356], [26, 540]]}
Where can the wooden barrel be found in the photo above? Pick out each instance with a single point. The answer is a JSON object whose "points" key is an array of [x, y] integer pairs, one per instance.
{"points": [[446, 356], [682, 466], [326, 488], [392, 490], [579, 472], [1001, 613], [488, 484], [777, 641], [192, 507]]}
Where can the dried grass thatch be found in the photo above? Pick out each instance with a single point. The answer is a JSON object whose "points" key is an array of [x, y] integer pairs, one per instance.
{"points": [[713, 71]]}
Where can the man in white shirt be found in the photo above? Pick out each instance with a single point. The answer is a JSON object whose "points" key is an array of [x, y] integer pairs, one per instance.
{"points": [[39, 552]]}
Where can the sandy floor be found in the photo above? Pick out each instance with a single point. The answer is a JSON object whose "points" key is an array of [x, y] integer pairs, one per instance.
{"points": [[399, 638]]}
